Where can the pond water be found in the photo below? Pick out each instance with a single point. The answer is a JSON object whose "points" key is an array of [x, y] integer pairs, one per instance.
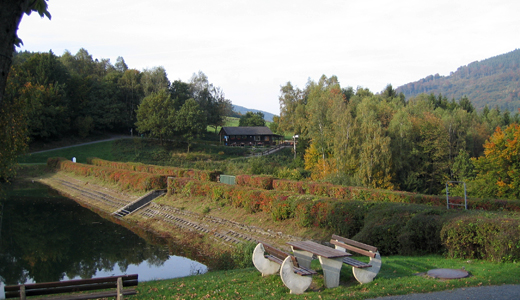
{"points": [[45, 237]]}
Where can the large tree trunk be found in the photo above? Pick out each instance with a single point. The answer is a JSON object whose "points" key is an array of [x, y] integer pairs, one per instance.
{"points": [[11, 12]]}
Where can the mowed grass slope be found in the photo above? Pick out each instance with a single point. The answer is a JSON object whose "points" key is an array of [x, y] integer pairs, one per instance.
{"points": [[399, 275]]}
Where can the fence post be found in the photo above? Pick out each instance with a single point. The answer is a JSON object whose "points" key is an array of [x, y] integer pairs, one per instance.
{"points": [[119, 288]]}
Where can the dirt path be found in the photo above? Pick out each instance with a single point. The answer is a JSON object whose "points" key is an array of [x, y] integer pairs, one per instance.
{"points": [[83, 144]]}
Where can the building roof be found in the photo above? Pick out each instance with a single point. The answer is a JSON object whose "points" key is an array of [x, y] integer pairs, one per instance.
{"points": [[258, 130]]}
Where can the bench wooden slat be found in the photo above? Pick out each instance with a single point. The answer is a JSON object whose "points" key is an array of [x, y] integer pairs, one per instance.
{"points": [[76, 285], [355, 263], [275, 259], [89, 295], [70, 289], [32, 286], [318, 249], [352, 248], [304, 271], [274, 251], [278, 256], [354, 243]]}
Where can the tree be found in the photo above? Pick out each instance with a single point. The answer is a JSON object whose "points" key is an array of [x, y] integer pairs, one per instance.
{"points": [[319, 124], [274, 125], [432, 151], [466, 104], [290, 99], [211, 100], [40, 83], [375, 153], [12, 113], [497, 171], [252, 119], [180, 92], [121, 65], [190, 121], [11, 13], [154, 80], [402, 144], [14, 130], [156, 115], [132, 93]]}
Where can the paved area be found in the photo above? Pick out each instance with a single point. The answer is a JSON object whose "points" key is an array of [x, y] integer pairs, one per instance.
{"points": [[503, 292]]}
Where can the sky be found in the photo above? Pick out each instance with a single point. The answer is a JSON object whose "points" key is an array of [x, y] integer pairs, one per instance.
{"points": [[250, 48]]}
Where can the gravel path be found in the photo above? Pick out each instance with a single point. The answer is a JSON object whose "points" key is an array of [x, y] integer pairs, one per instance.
{"points": [[82, 144], [503, 292]]}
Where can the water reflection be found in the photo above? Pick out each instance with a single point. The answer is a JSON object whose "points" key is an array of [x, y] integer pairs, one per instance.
{"points": [[51, 238]]}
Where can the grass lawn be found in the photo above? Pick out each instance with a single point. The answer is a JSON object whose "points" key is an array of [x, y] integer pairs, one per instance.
{"points": [[102, 150], [398, 276]]}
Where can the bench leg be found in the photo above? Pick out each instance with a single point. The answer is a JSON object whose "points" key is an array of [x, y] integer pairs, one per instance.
{"points": [[366, 275], [304, 257], [262, 264], [296, 283], [331, 269]]}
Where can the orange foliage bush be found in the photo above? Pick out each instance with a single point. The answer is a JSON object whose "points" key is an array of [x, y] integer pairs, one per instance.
{"points": [[137, 181], [159, 170]]}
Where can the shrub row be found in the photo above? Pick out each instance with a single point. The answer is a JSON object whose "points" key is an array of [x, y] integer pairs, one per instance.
{"points": [[343, 217], [365, 194], [252, 200], [259, 182], [159, 170], [395, 228], [137, 181], [494, 238]]}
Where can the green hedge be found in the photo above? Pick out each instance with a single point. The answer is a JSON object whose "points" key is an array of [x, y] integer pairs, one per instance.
{"points": [[404, 229], [258, 182], [137, 181], [365, 194], [494, 238], [395, 228], [159, 170]]}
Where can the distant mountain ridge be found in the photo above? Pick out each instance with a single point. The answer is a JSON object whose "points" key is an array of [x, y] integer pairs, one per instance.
{"points": [[242, 110], [494, 81]]}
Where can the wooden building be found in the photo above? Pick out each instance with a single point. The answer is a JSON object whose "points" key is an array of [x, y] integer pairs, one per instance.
{"points": [[248, 136]]}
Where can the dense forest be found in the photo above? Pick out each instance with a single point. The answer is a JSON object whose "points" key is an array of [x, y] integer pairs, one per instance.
{"points": [[346, 136], [355, 137], [79, 95], [50, 97], [494, 82]]}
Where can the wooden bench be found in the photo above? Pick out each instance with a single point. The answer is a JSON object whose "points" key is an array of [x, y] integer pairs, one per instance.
{"points": [[363, 272], [71, 286], [331, 260], [278, 256], [294, 276]]}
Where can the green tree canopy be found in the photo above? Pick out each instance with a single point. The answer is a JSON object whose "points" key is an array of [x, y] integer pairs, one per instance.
{"points": [[252, 119], [498, 170], [156, 115], [190, 121]]}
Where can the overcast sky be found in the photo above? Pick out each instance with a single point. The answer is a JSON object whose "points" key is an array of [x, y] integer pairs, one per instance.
{"points": [[250, 48]]}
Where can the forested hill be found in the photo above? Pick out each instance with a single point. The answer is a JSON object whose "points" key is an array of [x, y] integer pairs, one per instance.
{"points": [[243, 110], [494, 81]]}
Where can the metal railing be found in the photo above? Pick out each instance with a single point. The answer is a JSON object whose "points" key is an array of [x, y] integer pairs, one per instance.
{"points": [[448, 196]]}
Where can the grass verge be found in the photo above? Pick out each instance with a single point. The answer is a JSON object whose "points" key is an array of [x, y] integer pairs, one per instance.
{"points": [[399, 275]]}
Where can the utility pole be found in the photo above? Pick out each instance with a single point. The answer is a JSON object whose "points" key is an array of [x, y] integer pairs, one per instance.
{"points": [[294, 144]]}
